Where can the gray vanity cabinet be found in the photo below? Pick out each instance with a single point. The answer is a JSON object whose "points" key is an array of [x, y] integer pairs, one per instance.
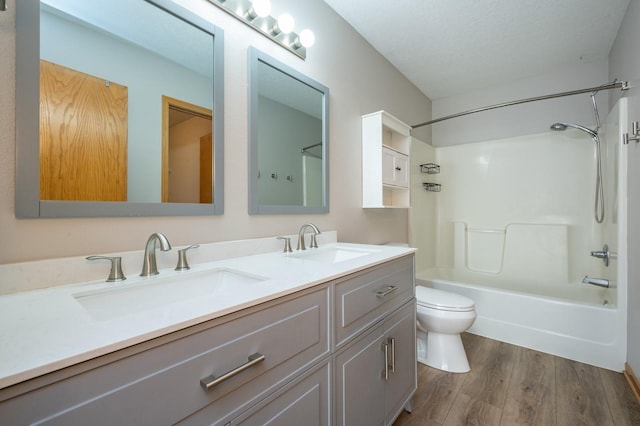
{"points": [[159, 382], [325, 362], [375, 332]]}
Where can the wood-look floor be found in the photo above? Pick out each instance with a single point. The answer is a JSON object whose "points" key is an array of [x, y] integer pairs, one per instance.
{"points": [[510, 385]]}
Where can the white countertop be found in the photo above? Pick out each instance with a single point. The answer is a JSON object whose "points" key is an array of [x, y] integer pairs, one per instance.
{"points": [[45, 330]]}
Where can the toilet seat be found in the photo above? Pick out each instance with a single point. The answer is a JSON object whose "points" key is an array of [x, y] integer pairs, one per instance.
{"points": [[442, 300]]}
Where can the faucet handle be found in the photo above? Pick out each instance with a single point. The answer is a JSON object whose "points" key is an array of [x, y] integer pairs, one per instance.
{"points": [[314, 242], [182, 258], [287, 244], [604, 254], [115, 274]]}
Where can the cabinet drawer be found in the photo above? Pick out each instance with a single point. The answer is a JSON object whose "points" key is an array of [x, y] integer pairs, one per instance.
{"points": [[162, 385], [307, 398], [361, 299]]}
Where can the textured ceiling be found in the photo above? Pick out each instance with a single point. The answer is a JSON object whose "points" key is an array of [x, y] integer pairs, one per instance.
{"points": [[446, 47]]}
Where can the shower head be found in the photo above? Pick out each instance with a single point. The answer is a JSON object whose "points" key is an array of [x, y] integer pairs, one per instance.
{"points": [[563, 126]]}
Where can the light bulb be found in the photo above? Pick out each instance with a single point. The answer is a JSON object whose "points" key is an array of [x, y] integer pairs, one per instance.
{"points": [[262, 8], [285, 23], [307, 38]]}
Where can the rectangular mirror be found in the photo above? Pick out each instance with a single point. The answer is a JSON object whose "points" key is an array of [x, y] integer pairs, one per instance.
{"points": [[288, 139], [119, 109]]}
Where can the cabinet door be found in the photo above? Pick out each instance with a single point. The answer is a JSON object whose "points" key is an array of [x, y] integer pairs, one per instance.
{"points": [[401, 169], [359, 383], [395, 168], [388, 166], [400, 335]]}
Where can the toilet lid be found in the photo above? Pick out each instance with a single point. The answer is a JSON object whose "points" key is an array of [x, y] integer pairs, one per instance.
{"points": [[444, 300]]}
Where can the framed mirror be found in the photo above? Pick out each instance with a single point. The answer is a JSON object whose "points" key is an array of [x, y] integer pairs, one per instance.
{"points": [[119, 109], [288, 139]]}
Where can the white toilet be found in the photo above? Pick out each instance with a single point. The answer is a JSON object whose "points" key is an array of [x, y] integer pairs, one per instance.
{"points": [[442, 316]]}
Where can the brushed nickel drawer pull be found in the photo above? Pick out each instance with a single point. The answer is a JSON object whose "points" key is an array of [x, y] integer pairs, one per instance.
{"points": [[393, 354], [385, 373], [390, 289], [210, 381]]}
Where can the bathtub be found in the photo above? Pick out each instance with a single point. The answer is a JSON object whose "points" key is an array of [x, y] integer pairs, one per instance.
{"points": [[573, 321]]}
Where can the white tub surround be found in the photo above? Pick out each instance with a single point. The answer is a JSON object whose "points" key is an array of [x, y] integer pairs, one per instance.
{"points": [[516, 231], [48, 329]]}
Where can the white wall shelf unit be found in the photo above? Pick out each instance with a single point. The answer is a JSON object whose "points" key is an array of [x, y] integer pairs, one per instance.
{"points": [[386, 143]]}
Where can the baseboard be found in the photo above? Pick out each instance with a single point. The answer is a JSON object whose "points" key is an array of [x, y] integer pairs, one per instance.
{"points": [[633, 380]]}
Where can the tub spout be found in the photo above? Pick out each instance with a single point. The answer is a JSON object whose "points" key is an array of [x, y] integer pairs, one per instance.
{"points": [[600, 282]]}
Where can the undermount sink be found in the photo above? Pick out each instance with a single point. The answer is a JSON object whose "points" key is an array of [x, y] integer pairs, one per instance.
{"points": [[159, 291], [333, 254]]}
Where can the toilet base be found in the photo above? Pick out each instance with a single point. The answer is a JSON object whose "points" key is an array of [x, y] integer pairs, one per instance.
{"points": [[446, 352], [421, 345]]}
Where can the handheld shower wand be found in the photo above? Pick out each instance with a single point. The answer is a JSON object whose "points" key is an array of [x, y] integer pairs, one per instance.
{"points": [[599, 198]]}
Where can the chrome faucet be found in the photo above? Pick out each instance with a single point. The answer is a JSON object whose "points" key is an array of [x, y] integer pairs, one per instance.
{"points": [[313, 243], [600, 282], [149, 266]]}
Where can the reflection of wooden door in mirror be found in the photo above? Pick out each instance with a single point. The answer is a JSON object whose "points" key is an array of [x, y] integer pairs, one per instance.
{"points": [[187, 152], [206, 172], [83, 136]]}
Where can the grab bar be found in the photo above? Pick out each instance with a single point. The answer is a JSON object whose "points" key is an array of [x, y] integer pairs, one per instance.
{"points": [[487, 231]]}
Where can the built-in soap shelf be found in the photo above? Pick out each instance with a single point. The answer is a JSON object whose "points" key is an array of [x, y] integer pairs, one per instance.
{"points": [[430, 168], [432, 187]]}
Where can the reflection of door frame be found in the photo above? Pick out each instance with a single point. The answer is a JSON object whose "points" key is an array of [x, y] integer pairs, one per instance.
{"points": [[167, 104]]}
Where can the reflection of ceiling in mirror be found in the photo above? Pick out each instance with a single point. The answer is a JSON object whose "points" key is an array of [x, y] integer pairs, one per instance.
{"points": [[280, 87], [177, 116], [145, 25]]}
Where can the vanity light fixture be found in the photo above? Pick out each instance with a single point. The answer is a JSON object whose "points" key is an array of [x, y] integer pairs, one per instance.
{"points": [[306, 38], [284, 24], [258, 8], [256, 14]]}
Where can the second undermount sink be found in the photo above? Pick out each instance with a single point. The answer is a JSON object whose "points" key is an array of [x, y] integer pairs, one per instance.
{"points": [[333, 254], [155, 292]]}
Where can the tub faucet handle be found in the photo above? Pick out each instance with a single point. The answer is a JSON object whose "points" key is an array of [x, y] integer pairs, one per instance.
{"points": [[115, 274], [604, 254], [183, 265]]}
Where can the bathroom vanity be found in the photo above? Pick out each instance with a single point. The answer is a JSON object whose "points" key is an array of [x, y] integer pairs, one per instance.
{"points": [[326, 335]]}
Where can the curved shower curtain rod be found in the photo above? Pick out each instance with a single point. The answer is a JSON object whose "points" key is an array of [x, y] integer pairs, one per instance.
{"points": [[622, 85]]}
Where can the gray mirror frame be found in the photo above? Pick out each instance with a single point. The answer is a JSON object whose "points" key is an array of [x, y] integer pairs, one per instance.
{"points": [[27, 186], [255, 57]]}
